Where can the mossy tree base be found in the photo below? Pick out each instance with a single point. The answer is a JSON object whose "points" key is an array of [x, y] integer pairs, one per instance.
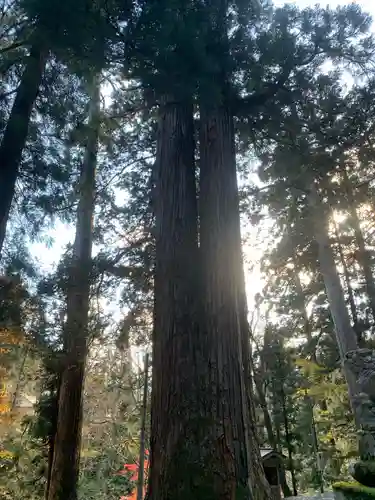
{"points": [[353, 491], [364, 472]]}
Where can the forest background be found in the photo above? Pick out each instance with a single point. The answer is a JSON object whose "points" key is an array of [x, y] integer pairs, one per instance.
{"points": [[302, 406]]}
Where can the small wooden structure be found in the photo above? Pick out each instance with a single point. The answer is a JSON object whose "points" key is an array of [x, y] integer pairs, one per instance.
{"points": [[272, 462]]}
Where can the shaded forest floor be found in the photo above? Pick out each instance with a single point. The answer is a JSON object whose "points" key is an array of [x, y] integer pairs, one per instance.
{"points": [[319, 496]]}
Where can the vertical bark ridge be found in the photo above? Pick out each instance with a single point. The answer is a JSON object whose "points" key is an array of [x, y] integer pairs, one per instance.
{"points": [[223, 303], [175, 339]]}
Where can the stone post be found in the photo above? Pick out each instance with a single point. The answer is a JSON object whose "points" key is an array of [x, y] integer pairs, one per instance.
{"points": [[361, 362]]}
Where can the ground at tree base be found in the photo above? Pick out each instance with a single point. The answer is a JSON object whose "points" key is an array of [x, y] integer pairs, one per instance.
{"points": [[318, 496]]}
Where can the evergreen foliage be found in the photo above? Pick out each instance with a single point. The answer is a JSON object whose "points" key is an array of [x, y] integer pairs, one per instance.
{"points": [[281, 73]]}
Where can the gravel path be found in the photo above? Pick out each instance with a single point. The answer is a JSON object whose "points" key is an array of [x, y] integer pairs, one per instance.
{"points": [[318, 496]]}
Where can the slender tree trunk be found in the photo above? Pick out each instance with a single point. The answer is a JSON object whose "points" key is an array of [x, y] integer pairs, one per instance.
{"points": [[270, 433], [266, 414], [19, 380], [52, 440], [358, 364], [307, 328], [314, 436], [301, 305], [349, 288], [142, 439], [346, 337], [237, 454], [65, 467], [176, 420], [15, 134], [365, 259], [289, 446]]}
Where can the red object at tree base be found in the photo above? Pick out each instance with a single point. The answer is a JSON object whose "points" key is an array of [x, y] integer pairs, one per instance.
{"points": [[134, 468]]}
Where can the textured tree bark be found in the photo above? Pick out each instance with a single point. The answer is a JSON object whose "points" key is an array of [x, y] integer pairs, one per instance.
{"points": [[177, 425], [238, 460], [65, 466], [15, 134]]}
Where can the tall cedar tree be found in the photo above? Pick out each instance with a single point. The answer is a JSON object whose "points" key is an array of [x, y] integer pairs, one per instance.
{"points": [[81, 40], [15, 134], [65, 466], [222, 295], [200, 414], [224, 324], [173, 469]]}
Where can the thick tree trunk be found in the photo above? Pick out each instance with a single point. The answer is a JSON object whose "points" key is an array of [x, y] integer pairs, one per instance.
{"points": [[176, 420], [15, 134], [65, 467], [238, 458]]}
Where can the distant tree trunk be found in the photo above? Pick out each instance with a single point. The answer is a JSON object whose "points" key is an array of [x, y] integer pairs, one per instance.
{"points": [[15, 133], [65, 467], [176, 420], [19, 380], [323, 403], [270, 433], [349, 288], [51, 439], [358, 364], [237, 453], [364, 256], [282, 397], [266, 414], [301, 304], [346, 337], [142, 439]]}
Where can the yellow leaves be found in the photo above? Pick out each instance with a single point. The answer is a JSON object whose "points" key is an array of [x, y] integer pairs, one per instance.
{"points": [[3, 390], [301, 393], [327, 438], [4, 408], [321, 390], [4, 394], [11, 336], [88, 453], [309, 367], [6, 455], [4, 399]]}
